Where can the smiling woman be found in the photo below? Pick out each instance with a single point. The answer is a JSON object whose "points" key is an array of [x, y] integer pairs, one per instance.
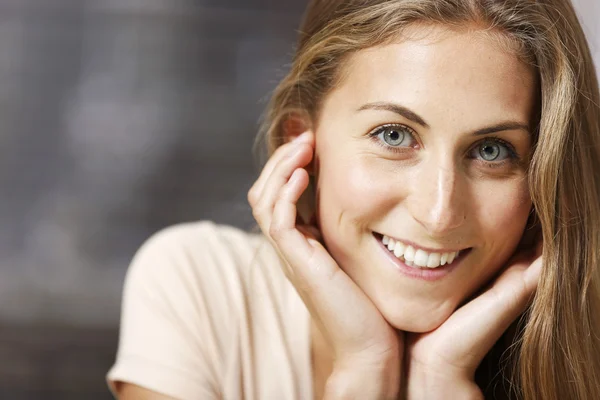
{"points": [[429, 213], [441, 148]]}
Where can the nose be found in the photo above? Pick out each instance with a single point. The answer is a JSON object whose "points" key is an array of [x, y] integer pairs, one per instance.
{"points": [[439, 199]]}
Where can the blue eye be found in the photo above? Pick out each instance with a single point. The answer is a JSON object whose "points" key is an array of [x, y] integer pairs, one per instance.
{"points": [[394, 135], [493, 150]]}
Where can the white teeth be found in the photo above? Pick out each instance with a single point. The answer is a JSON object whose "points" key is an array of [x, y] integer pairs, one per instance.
{"points": [[391, 244], [451, 257], [399, 249], [434, 260], [421, 258], [418, 258], [444, 259], [409, 254]]}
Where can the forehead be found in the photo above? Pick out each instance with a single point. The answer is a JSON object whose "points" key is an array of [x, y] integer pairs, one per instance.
{"points": [[436, 69]]}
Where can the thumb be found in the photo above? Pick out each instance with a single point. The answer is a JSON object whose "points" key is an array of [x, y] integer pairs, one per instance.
{"points": [[486, 317]]}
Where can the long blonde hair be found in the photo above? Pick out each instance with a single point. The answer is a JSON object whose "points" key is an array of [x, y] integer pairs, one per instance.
{"points": [[557, 353]]}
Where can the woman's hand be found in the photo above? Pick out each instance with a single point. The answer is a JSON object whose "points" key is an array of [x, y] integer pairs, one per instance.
{"points": [[442, 363], [367, 350]]}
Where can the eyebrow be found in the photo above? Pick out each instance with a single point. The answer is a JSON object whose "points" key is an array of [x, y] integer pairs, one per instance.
{"points": [[414, 117], [397, 109]]}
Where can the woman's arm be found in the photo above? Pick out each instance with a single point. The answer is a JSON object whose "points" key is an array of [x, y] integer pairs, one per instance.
{"points": [[433, 386], [366, 349]]}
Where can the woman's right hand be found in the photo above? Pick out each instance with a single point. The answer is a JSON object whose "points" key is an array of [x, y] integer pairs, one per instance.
{"points": [[367, 350]]}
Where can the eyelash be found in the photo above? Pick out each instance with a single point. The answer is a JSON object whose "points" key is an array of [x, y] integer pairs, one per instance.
{"points": [[513, 156]]}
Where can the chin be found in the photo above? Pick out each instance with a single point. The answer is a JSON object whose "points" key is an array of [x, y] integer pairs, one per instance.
{"points": [[417, 318]]}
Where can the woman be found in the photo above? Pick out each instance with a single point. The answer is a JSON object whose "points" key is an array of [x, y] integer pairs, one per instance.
{"points": [[433, 201]]}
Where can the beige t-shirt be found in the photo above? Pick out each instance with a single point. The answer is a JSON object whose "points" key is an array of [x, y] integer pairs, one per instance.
{"points": [[208, 313]]}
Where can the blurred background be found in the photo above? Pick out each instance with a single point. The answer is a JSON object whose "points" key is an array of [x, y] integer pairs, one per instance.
{"points": [[118, 118]]}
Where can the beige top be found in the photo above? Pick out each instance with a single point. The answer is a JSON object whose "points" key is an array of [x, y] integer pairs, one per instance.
{"points": [[207, 313]]}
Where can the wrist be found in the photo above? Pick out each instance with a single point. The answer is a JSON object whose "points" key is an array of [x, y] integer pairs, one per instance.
{"points": [[430, 384], [364, 381]]}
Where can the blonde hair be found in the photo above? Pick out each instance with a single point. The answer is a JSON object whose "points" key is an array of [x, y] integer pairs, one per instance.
{"points": [[557, 353]]}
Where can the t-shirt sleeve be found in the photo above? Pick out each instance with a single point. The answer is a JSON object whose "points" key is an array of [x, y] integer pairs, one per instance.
{"points": [[167, 339]]}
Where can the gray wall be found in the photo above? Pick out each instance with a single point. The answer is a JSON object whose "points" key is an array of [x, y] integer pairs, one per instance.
{"points": [[118, 118], [589, 13]]}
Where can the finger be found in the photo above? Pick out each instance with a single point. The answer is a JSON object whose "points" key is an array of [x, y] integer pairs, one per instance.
{"points": [[300, 156], [533, 272], [266, 171], [328, 292], [486, 318], [281, 220], [281, 152], [283, 224]]}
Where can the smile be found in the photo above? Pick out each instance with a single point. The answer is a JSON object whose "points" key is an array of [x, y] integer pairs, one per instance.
{"points": [[417, 257], [422, 263]]}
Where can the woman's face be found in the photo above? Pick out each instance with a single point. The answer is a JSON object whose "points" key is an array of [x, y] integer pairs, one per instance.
{"points": [[425, 141]]}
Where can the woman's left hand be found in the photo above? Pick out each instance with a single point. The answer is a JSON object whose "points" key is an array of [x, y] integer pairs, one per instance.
{"points": [[441, 364]]}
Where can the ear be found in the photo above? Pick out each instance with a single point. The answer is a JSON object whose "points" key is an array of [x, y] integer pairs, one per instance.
{"points": [[294, 126]]}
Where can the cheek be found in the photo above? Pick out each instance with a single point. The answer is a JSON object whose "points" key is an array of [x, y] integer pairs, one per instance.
{"points": [[503, 214], [352, 191]]}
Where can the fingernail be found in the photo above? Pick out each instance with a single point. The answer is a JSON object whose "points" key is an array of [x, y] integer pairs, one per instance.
{"points": [[296, 150], [305, 137]]}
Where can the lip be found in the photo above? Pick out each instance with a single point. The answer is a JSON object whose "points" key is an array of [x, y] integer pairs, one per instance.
{"points": [[425, 274], [416, 246]]}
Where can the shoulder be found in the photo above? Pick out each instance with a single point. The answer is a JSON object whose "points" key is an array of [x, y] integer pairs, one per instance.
{"points": [[197, 239], [204, 270], [185, 299], [193, 249]]}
